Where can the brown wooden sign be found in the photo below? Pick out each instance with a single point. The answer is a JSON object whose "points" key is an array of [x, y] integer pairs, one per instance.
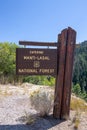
{"points": [[56, 62], [36, 61]]}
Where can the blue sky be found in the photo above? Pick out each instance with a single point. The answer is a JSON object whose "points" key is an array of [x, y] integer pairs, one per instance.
{"points": [[41, 20]]}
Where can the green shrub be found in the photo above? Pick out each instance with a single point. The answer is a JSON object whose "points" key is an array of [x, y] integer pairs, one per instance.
{"points": [[40, 80]]}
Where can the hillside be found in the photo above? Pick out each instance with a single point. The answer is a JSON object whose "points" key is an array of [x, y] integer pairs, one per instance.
{"points": [[80, 67]]}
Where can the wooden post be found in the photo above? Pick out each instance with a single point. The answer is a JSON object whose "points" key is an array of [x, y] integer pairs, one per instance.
{"points": [[60, 73], [65, 55], [71, 40]]}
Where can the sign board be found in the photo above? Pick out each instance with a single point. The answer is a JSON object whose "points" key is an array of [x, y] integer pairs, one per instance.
{"points": [[36, 61], [57, 62]]}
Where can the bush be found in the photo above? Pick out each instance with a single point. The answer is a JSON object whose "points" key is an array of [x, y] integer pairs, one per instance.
{"points": [[40, 80], [77, 89], [42, 101], [78, 92]]}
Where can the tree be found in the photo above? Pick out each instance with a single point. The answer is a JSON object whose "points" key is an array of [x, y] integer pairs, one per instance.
{"points": [[7, 59], [80, 66], [77, 89]]}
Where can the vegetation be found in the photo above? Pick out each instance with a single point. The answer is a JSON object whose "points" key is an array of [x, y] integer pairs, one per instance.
{"points": [[40, 80], [78, 104], [8, 69], [80, 71], [8, 63], [80, 66], [42, 101]]}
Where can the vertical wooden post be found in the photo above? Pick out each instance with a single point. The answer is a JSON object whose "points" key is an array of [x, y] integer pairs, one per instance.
{"points": [[66, 46], [60, 73], [71, 40]]}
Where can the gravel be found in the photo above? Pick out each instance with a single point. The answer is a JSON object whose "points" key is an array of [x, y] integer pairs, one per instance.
{"points": [[15, 107]]}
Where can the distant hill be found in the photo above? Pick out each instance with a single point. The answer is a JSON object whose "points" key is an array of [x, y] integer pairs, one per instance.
{"points": [[80, 66]]}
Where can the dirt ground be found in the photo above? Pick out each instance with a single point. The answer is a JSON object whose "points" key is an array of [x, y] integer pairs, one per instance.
{"points": [[15, 108]]}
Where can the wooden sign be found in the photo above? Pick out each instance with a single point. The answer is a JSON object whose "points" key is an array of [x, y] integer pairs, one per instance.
{"points": [[36, 61], [57, 62]]}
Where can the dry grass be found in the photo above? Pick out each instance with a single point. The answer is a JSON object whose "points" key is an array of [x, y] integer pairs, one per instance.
{"points": [[4, 93], [78, 104], [76, 120]]}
